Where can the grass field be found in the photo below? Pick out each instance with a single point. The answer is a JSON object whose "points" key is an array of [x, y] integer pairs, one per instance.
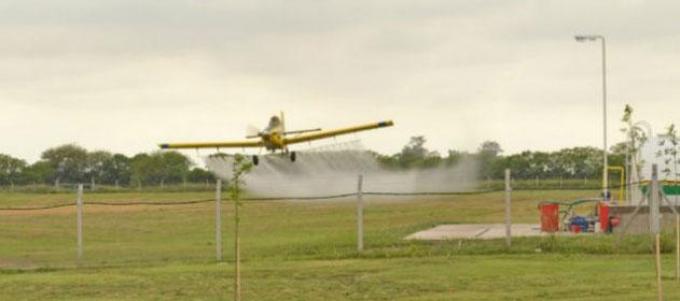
{"points": [[305, 250]]}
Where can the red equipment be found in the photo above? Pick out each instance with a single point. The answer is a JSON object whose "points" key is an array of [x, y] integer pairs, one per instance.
{"points": [[604, 216], [550, 217]]}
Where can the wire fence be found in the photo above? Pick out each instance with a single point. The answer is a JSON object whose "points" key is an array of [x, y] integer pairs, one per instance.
{"points": [[132, 236], [636, 185], [483, 186]]}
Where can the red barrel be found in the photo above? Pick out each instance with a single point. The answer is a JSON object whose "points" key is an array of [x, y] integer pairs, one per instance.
{"points": [[550, 217], [604, 216]]}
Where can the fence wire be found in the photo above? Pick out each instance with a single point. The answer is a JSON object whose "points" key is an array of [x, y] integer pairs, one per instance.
{"points": [[253, 199], [129, 238], [301, 197]]}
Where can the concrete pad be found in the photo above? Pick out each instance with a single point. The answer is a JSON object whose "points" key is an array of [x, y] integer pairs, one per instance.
{"points": [[475, 231]]}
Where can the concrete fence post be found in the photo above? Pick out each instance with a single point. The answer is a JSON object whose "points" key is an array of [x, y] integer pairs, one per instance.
{"points": [[657, 257], [654, 214], [508, 209], [654, 200], [218, 220], [360, 214], [677, 247], [79, 222]]}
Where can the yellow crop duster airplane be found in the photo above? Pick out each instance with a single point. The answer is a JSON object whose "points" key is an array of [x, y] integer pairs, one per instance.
{"points": [[276, 138]]}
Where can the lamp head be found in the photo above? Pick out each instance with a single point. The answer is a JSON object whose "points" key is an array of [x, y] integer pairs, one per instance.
{"points": [[584, 38]]}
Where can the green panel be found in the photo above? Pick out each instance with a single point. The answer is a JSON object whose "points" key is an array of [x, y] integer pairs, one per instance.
{"points": [[668, 188], [671, 189]]}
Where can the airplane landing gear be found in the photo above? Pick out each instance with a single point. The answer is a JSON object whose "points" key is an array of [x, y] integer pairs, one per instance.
{"points": [[256, 160], [293, 156]]}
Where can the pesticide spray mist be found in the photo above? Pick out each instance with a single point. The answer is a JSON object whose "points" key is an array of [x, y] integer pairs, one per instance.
{"points": [[333, 170]]}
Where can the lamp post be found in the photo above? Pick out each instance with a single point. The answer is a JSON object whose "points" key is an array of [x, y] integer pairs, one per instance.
{"points": [[592, 38]]}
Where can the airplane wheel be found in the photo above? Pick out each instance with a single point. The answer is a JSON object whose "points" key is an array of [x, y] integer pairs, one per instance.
{"points": [[293, 156], [256, 160]]}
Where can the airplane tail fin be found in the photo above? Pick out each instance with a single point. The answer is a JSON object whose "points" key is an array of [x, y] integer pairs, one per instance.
{"points": [[283, 122]]}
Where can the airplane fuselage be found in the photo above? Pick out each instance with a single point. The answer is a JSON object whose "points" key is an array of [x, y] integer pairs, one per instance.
{"points": [[273, 141]]}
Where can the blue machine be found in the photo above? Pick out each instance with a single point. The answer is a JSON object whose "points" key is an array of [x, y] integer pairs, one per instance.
{"points": [[579, 221]]}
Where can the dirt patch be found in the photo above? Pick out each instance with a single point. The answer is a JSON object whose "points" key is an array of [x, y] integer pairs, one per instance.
{"points": [[93, 208], [17, 264]]}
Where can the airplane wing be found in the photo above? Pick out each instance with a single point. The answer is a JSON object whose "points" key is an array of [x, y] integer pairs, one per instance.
{"points": [[336, 132], [226, 144]]}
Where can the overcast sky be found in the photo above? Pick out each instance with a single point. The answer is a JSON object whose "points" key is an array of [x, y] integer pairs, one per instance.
{"points": [[126, 75]]}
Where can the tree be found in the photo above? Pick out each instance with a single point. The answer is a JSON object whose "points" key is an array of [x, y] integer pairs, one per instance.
{"points": [[240, 167], [96, 166], [117, 170], [174, 167], [618, 148], [487, 155], [669, 141], [636, 137], [141, 169], [581, 162], [490, 148], [159, 168], [569, 162], [40, 172], [454, 157], [386, 161], [10, 169], [69, 161], [200, 175], [414, 154]]}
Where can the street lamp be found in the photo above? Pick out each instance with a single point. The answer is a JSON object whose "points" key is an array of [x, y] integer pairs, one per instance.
{"points": [[592, 38]]}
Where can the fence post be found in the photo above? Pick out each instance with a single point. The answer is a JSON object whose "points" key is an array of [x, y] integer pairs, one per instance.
{"points": [[79, 222], [508, 209], [218, 220], [360, 214], [677, 247], [654, 201], [657, 253], [237, 242]]}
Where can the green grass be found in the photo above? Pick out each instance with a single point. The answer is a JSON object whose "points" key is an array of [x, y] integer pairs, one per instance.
{"points": [[520, 277], [305, 250]]}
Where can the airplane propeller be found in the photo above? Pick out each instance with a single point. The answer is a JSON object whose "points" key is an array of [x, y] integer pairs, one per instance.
{"points": [[252, 132]]}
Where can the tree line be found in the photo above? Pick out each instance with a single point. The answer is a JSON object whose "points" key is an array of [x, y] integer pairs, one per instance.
{"points": [[68, 164], [575, 162]]}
